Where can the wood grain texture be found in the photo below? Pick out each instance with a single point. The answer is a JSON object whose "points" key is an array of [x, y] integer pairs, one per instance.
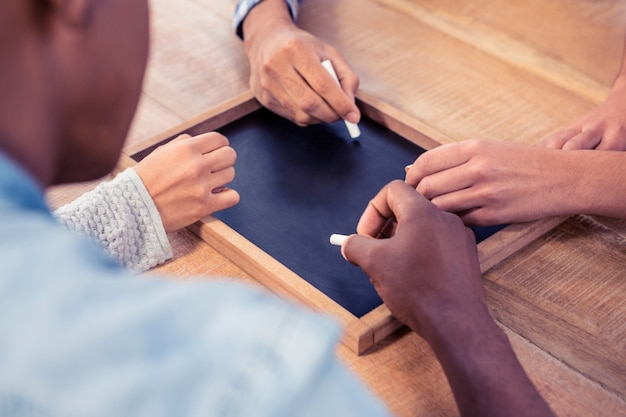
{"points": [[555, 293], [457, 88], [535, 36], [584, 35], [405, 373], [193, 46]]}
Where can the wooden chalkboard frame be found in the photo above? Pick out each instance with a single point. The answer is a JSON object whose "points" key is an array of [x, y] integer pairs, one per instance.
{"points": [[360, 333]]}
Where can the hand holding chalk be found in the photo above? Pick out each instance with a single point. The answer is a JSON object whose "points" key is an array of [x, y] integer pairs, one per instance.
{"points": [[353, 128]]}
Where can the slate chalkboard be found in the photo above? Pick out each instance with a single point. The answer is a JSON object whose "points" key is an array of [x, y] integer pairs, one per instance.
{"points": [[300, 185]]}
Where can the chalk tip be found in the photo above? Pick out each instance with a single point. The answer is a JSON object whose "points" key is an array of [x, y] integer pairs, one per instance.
{"points": [[337, 239], [353, 130]]}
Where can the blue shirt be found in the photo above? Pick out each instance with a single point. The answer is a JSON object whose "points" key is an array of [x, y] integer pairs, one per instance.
{"points": [[243, 7], [81, 337]]}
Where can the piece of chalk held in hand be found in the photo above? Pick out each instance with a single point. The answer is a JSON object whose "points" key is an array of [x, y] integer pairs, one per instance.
{"points": [[353, 128], [337, 239]]}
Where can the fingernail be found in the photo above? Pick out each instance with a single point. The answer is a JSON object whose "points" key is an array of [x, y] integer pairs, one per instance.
{"points": [[406, 168]]}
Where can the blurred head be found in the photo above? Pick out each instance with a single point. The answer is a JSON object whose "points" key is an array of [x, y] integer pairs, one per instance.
{"points": [[71, 73]]}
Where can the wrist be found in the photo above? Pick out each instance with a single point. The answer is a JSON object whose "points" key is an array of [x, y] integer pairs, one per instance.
{"points": [[558, 191], [449, 322], [600, 184], [268, 15]]}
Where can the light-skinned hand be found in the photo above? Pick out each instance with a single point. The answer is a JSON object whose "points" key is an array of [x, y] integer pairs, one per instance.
{"points": [[490, 182], [187, 178], [603, 128]]}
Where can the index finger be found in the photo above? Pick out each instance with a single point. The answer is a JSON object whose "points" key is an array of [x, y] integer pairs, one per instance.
{"points": [[438, 159], [348, 80], [396, 199], [331, 90], [208, 142]]}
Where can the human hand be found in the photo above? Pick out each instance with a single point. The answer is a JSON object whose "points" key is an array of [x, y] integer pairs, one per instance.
{"points": [[489, 183], [428, 275], [187, 178], [286, 74], [427, 269], [603, 128]]}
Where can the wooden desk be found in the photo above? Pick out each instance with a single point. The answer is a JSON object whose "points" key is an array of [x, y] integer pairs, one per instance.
{"points": [[511, 71]]}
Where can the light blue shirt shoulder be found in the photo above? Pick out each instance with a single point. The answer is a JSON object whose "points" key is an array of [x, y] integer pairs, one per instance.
{"points": [[243, 7], [79, 336]]}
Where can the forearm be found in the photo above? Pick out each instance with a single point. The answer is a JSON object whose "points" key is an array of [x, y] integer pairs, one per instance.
{"points": [[482, 369], [597, 183], [566, 182]]}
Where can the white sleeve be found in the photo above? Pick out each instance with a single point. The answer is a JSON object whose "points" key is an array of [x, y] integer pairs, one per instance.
{"points": [[122, 217]]}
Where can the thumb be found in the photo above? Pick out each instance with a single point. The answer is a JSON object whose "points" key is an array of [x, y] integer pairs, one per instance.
{"points": [[357, 249]]}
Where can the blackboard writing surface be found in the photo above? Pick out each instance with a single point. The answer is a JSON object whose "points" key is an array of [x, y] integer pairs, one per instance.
{"points": [[300, 185]]}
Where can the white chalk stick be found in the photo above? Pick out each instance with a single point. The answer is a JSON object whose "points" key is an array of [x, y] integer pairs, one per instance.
{"points": [[353, 128], [337, 239]]}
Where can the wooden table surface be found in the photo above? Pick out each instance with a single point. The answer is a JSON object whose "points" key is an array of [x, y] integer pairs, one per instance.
{"points": [[496, 69]]}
